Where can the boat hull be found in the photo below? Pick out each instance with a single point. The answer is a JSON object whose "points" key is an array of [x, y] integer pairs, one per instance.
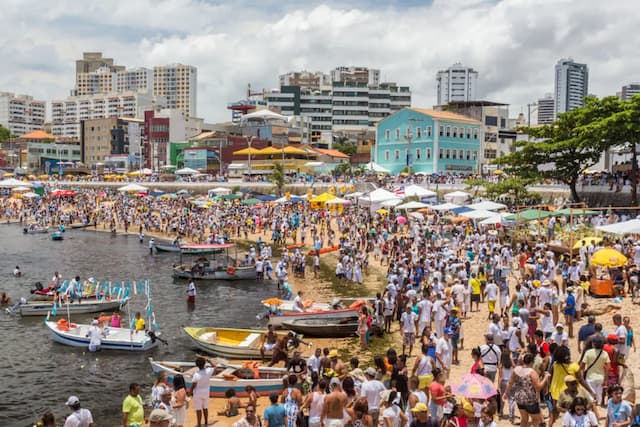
{"points": [[240, 273], [160, 247], [116, 339], [35, 230], [42, 308], [278, 320], [330, 328]]}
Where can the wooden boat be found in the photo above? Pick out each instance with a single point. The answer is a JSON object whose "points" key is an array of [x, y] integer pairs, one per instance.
{"points": [[219, 267], [287, 306], [75, 335], [189, 249], [57, 235], [35, 229], [41, 308], [324, 328], [227, 376], [229, 342], [325, 250], [278, 320]]}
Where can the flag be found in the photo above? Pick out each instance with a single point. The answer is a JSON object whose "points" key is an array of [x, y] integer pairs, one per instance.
{"points": [[399, 191]]}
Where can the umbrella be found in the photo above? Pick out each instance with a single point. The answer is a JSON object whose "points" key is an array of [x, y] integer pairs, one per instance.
{"points": [[382, 211], [586, 241], [401, 220], [608, 257], [474, 386]]}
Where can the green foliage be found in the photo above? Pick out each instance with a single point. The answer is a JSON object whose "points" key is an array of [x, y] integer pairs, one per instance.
{"points": [[345, 147], [513, 190], [5, 134], [277, 177], [343, 169]]}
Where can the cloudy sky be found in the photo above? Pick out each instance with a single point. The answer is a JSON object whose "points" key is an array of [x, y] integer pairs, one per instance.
{"points": [[513, 44]]}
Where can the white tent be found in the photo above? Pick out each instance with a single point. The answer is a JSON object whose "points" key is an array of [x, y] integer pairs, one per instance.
{"points": [[412, 205], [445, 207], [390, 203], [263, 115], [220, 191], [186, 171], [30, 195], [234, 166], [12, 182], [132, 187], [20, 189], [416, 190], [338, 201], [488, 205], [478, 214], [353, 195], [374, 199], [625, 227], [457, 197], [496, 218], [372, 166]]}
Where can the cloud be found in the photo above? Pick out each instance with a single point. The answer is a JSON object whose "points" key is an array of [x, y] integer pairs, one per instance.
{"points": [[514, 44]]}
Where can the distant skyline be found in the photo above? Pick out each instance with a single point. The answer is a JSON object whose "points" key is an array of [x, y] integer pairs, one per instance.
{"points": [[514, 45]]}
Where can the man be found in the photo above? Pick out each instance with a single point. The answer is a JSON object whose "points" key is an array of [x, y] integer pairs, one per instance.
{"points": [[95, 334], [191, 291], [132, 407], [298, 304], [280, 352], [200, 390], [491, 294], [378, 310], [269, 341], [337, 365], [371, 389], [586, 331], [334, 404], [595, 367], [80, 417], [152, 244], [621, 332], [274, 415], [495, 330], [408, 322], [475, 291], [515, 341], [297, 365], [160, 418], [443, 351], [572, 391], [250, 419], [490, 355], [139, 322], [424, 314], [313, 363], [420, 416], [389, 306], [559, 336], [316, 264]]}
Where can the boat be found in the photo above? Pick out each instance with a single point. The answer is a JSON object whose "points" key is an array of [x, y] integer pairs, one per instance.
{"points": [[220, 266], [278, 320], [57, 235], [75, 335], [288, 306], [227, 376], [324, 250], [187, 249], [81, 225], [41, 308], [35, 229], [229, 342], [324, 328]]}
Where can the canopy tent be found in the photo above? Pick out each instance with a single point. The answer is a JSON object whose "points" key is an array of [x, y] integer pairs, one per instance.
{"points": [[20, 189], [247, 151], [339, 201], [488, 205], [294, 150], [625, 227], [461, 210], [574, 212], [132, 187], [30, 195], [379, 195], [390, 203], [12, 182], [586, 241], [373, 166], [412, 205], [268, 151], [323, 198], [478, 214], [234, 166], [264, 114], [496, 218], [266, 197], [353, 195], [219, 191], [445, 207], [186, 171], [529, 215], [416, 190], [458, 197]]}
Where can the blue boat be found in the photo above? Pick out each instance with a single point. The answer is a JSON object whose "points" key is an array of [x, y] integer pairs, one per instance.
{"points": [[58, 235]]}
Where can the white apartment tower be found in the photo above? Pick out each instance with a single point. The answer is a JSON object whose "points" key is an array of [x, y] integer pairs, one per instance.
{"points": [[571, 85], [134, 80], [177, 83], [546, 109], [456, 83], [21, 113]]}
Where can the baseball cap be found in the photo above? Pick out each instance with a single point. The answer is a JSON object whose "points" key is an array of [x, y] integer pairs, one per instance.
{"points": [[559, 325], [420, 407], [158, 415], [371, 371], [334, 381], [72, 400]]}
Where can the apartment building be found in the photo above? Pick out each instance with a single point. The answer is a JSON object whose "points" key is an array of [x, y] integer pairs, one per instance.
{"points": [[21, 113], [571, 85], [100, 139], [456, 83], [177, 83]]}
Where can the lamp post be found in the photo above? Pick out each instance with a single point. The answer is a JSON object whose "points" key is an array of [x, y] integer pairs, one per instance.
{"points": [[249, 142]]}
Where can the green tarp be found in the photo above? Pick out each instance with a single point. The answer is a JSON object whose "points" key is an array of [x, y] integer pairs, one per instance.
{"points": [[528, 215], [574, 211]]}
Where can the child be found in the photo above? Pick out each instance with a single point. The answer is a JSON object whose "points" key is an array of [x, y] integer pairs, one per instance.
{"points": [[486, 419]]}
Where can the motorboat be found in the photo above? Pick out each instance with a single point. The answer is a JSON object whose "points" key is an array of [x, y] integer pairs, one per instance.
{"points": [[324, 328], [57, 235], [277, 320], [83, 306], [219, 266], [187, 249], [75, 335], [35, 229]]}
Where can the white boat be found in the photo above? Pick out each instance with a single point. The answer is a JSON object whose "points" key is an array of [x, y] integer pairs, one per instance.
{"points": [[41, 308], [75, 335], [288, 306], [278, 320], [35, 229], [220, 266]]}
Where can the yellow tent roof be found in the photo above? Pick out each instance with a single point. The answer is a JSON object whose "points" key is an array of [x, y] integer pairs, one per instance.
{"points": [[293, 150], [324, 197], [270, 151], [246, 151]]}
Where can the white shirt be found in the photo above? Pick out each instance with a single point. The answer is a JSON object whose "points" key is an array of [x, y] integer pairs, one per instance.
{"points": [[514, 343], [496, 330], [80, 418], [443, 348], [492, 291], [490, 356], [408, 321], [560, 338], [425, 310], [371, 390], [297, 304], [95, 335], [621, 332], [191, 289], [313, 363], [203, 380]]}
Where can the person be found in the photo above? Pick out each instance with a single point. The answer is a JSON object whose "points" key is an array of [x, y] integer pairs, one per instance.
{"points": [[579, 415], [297, 365], [191, 291], [179, 400], [252, 395], [392, 416], [17, 272], [298, 303], [274, 415], [363, 328], [314, 402], [292, 399], [421, 416], [95, 334], [621, 332], [423, 368], [48, 420], [456, 328], [570, 393], [359, 414], [595, 367], [132, 407], [5, 299], [80, 417], [570, 310], [313, 363], [415, 396], [115, 321], [334, 405], [159, 387], [486, 418], [438, 394], [269, 341], [478, 364], [630, 341], [139, 323], [200, 384], [618, 411], [152, 244], [491, 293], [586, 331], [160, 418], [559, 336], [250, 419], [524, 385], [563, 366], [371, 390], [475, 292], [490, 355]]}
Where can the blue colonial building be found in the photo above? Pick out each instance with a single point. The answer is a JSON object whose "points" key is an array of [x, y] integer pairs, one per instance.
{"points": [[429, 141]]}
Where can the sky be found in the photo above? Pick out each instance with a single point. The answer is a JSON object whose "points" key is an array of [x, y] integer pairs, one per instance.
{"points": [[513, 44]]}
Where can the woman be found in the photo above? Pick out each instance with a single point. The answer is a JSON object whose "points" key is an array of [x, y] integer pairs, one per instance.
{"points": [[159, 388], [252, 394], [292, 399], [578, 415], [313, 402], [618, 411], [233, 404], [438, 395], [115, 320], [360, 414], [630, 341], [423, 369], [362, 328], [179, 400], [392, 415], [505, 369], [399, 377], [48, 420], [415, 396], [478, 365], [525, 386]]}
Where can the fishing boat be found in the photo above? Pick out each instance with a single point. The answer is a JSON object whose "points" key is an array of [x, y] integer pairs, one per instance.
{"points": [[288, 306], [75, 335], [84, 306], [57, 235], [220, 266], [324, 328], [187, 249], [226, 376], [278, 319], [231, 343], [35, 229]]}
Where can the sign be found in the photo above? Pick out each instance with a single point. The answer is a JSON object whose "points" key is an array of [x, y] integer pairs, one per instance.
{"points": [[458, 168]]}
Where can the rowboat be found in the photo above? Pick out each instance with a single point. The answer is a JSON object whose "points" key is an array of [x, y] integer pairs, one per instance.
{"points": [[75, 335], [324, 328], [227, 376], [228, 342], [288, 306], [35, 229], [277, 320], [57, 235], [220, 266], [190, 249], [41, 308]]}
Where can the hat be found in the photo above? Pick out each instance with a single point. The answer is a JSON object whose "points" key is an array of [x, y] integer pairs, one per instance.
{"points": [[94, 322], [334, 381], [570, 379], [158, 415], [371, 371], [420, 407], [357, 374], [384, 395], [72, 400], [333, 353], [570, 289], [546, 283], [560, 325]]}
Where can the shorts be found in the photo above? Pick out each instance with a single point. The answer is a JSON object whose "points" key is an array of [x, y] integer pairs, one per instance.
{"points": [[454, 341], [475, 297], [269, 346], [531, 408], [200, 401], [492, 306], [425, 381], [334, 422], [408, 338]]}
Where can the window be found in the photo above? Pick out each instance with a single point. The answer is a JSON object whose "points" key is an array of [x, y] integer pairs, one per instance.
{"points": [[468, 154], [468, 133], [387, 134], [475, 134], [441, 152], [455, 132], [474, 157], [441, 130], [386, 155], [397, 155], [491, 121], [461, 154], [418, 132], [454, 155], [418, 156], [428, 130], [448, 130], [397, 134], [428, 153], [448, 154]]}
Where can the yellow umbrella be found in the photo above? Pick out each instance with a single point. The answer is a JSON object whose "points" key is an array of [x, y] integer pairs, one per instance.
{"points": [[498, 172], [269, 151], [586, 241], [246, 151], [608, 257], [293, 150], [382, 211], [272, 301]]}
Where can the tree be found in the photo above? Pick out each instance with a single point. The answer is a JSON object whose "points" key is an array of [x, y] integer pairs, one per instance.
{"points": [[277, 176], [345, 147], [5, 134], [513, 187], [342, 169]]}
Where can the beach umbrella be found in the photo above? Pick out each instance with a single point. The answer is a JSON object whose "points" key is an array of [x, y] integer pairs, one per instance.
{"points": [[586, 240], [608, 257], [401, 220], [474, 386]]}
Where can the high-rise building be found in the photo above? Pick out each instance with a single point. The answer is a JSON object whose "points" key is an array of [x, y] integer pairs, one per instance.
{"points": [[177, 83], [92, 61], [545, 109], [114, 136], [629, 90], [571, 85], [305, 79], [134, 80], [94, 74], [456, 83], [368, 76], [21, 113]]}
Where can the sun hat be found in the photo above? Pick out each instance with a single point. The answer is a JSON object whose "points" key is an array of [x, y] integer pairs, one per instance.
{"points": [[333, 353], [420, 407]]}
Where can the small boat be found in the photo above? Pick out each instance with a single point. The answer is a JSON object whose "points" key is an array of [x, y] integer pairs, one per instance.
{"points": [[324, 250], [35, 229], [264, 379], [57, 235], [218, 267], [228, 342], [79, 226], [187, 249], [75, 335], [324, 328], [288, 306], [278, 320], [41, 308]]}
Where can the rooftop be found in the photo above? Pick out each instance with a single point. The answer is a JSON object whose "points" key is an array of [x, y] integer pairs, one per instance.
{"points": [[445, 115]]}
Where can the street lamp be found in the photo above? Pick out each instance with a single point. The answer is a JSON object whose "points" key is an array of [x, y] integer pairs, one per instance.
{"points": [[249, 142]]}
